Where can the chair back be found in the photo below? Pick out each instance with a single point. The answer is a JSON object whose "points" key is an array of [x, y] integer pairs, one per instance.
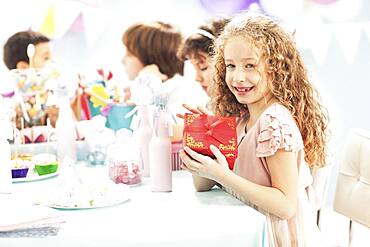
{"points": [[352, 196]]}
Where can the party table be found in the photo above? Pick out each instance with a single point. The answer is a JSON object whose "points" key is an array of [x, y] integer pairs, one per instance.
{"points": [[182, 217]]}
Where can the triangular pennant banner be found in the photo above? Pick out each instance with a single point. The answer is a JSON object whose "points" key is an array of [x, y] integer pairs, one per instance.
{"points": [[319, 46], [66, 13], [94, 23], [48, 25], [348, 36], [78, 24]]}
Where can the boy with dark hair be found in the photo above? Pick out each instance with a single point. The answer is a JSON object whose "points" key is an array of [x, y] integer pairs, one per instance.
{"points": [[15, 50]]}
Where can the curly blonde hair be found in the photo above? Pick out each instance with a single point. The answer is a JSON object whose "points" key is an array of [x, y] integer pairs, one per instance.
{"points": [[287, 80]]}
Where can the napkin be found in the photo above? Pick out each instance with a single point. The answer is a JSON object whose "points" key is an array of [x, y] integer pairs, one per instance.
{"points": [[20, 220]]}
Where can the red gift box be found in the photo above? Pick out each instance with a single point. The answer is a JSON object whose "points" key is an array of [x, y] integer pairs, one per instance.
{"points": [[201, 130]]}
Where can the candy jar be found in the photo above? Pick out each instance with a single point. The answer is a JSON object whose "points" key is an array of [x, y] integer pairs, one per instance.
{"points": [[98, 137], [123, 159]]}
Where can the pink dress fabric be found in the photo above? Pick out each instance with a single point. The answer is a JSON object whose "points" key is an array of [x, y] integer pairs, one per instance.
{"points": [[276, 129]]}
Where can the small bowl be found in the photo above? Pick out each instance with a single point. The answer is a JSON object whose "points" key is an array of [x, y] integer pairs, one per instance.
{"points": [[19, 172], [46, 169]]}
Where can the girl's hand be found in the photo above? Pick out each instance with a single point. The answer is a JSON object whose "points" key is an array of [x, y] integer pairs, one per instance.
{"points": [[197, 110], [153, 69], [204, 166]]}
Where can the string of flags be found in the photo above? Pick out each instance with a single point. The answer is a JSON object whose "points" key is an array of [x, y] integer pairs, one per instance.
{"points": [[63, 16], [72, 16]]}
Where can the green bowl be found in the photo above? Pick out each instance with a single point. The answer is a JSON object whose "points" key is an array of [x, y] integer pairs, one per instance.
{"points": [[46, 169]]}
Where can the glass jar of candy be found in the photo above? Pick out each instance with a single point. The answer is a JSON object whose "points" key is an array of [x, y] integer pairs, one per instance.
{"points": [[123, 159]]}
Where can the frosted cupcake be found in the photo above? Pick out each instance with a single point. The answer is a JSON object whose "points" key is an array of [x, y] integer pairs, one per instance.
{"points": [[20, 167], [45, 163]]}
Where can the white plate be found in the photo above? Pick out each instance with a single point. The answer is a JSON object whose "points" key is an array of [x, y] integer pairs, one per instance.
{"points": [[102, 205], [115, 196], [33, 176]]}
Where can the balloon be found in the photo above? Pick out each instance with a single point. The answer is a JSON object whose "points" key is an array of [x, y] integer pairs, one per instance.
{"points": [[226, 7], [324, 2]]}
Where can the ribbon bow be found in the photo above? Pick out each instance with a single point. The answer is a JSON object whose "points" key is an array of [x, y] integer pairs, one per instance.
{"points": [[148, 90], [218, 135]]}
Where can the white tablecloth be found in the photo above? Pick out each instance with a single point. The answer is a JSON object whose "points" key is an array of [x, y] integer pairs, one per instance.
{"points": [[182, 217]]}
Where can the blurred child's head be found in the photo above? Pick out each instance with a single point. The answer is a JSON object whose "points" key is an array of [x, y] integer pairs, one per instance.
{"points": [[198, 48], [152, 43], [15, 50]]}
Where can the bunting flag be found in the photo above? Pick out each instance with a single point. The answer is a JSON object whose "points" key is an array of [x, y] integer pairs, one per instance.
{"points": [[48, 24], [89, 17], [318, 38], [78, 24], [94, 19], [348, 36], [66, 12]]}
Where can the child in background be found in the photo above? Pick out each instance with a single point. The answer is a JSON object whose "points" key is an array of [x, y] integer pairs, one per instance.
{"points": [[15, 50], [16, 56], [282, 128], [151, 48], [30, 50], [198, 49]]}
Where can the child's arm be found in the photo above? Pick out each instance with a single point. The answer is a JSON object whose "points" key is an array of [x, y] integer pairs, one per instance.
{"points": [[202, 184], [280, 199]]}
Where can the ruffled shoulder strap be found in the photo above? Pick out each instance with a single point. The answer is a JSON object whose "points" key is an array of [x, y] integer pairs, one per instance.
{"points": [[278, 130]]}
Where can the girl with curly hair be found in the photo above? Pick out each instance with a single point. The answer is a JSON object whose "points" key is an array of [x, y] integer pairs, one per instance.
{"points": [[282, 128]]}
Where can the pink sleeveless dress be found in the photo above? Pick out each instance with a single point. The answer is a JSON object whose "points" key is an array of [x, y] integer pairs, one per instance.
{"points": [[276, 129]]}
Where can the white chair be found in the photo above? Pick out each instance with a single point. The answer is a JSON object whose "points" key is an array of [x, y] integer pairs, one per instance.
{"points": [[352, 196]]}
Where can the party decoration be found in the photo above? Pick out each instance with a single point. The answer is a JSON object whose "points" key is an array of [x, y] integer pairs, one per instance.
{"points": [[99, 96], [48, 25], [348, 36], [229, 7], [32, 93], [341, 11], [148, 90], [324, 2], [94, 19], [78, 24], [66, 13]]}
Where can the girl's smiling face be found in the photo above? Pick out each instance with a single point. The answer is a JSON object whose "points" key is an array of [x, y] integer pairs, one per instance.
{"points": [[245, 73]]}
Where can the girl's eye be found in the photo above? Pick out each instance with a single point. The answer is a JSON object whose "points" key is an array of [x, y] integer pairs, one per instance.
{"points": [[203, 69], [250, 66], [230, 66]]}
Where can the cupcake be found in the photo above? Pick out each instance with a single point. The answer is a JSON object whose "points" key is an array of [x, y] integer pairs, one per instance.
{"points": [[45, 163], [20, 167]]}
